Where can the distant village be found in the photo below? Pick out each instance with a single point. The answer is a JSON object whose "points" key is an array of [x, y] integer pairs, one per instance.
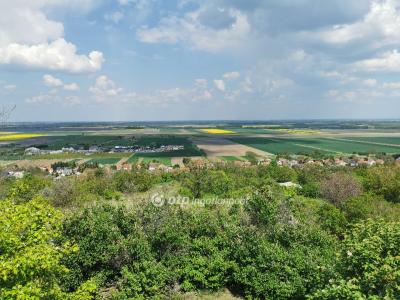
{"points": [[99, 149], [63, 169]]}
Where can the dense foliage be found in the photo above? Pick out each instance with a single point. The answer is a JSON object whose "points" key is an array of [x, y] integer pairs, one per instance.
{"points": [[99, 236]]}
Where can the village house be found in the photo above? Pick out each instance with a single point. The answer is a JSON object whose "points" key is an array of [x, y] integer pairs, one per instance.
{"points": [[124, 166], [16, 174], [282, 162], [153, 167], [340, 163], [67, 149], [32, 151], [239, 163], [64, 171], [94, 149]]}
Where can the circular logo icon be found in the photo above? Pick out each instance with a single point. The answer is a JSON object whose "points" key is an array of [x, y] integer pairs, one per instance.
{"points": [[157, 199]]}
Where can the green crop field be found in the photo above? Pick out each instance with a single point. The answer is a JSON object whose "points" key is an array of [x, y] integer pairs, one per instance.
{"points": [[232, 158], [311, 145], [340, 145], [377, 139], [163, 160], [281, 145], [105, 160], [133, 159]]}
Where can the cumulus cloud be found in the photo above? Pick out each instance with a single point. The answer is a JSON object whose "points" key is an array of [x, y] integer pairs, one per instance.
{"points": [[388, 61], [219, 84], [71, 87], [231, 75], [54, 82], [370, 82], [51, 81], [104, 89], [29, 39], [381, 23], [191, 31], [58, 55]]}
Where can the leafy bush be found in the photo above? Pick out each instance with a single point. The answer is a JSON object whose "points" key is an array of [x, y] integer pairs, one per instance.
{"points": [[108, 238], [26, 188], [368, 263], [384, 181], [30, 262]]}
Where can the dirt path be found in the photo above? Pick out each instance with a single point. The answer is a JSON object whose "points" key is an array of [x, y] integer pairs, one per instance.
{"points": [[177, 161], [121, 162]]}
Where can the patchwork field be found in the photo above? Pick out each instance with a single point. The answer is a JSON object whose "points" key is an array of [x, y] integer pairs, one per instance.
{"points": [[324, 145], [104, 161], [228, 142], [232, 158], [163, 160], [223, 147]]}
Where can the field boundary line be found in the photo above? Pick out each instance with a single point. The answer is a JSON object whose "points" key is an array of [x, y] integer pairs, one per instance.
{"points": [[363, 142], [318, 148]]}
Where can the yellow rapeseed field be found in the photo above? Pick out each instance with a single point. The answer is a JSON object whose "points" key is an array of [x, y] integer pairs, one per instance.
{"points": [[19, 136], [217, 131]]}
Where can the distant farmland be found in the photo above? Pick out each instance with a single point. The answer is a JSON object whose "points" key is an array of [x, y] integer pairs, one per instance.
{"points": [[324, 145], [105, 160]]}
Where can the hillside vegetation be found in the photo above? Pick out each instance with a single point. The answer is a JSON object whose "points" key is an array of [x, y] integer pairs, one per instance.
{"points": [[102, 235]]}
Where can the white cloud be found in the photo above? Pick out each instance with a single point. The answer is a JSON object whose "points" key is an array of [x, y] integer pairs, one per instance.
{"points": [[388, 61], [192, 32], [231, 75], [370, 82], [58, 55], [219, 84], [115, 17], [51, 81], [354, 96], [104, 89], [28, 38], [201, 83], [54, 82], [392, 85], [71, 87], [382, 24]]}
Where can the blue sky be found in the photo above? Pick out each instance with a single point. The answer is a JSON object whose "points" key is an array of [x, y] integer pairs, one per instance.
{"points": [[133, 60]]}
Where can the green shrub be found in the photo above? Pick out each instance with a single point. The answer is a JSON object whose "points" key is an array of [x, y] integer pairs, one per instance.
{"points": [[109, 238], [368, 264]]}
